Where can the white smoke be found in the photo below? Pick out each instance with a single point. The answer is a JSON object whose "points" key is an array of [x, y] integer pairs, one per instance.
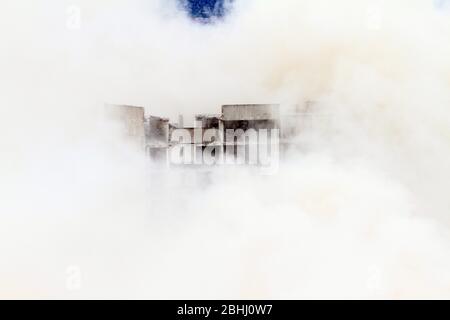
{"points": [[361, 212]]}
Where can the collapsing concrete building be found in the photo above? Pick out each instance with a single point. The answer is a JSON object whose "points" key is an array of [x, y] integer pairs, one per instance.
{"points": [[156, 137], [241, 132], [131, 120]]}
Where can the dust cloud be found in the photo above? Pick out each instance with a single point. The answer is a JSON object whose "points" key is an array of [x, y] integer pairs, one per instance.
{"points": [[361, 210]]}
